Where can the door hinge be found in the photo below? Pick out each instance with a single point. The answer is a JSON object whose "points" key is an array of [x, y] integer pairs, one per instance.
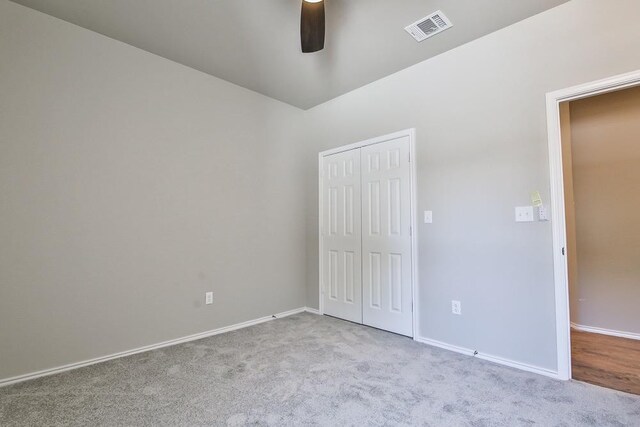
{"points": [[563, 251], [410, 231]]}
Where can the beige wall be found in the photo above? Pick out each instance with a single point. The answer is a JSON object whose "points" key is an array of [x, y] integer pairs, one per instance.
{"points": [[605, 142], [129, 186], [479, 112]]}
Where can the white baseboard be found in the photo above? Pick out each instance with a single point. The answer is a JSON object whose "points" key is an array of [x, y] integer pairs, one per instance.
{"points": [[490, 358], [444, 345], [603, 331], [46, 372], [312, 310]]}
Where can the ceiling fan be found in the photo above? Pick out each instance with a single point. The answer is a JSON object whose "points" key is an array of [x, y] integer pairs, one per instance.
{"points": [[312, 25]]}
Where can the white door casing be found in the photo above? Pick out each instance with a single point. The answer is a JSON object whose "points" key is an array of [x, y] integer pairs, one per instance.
{"points": [[386, 236], [341, 235], [558, 225]]}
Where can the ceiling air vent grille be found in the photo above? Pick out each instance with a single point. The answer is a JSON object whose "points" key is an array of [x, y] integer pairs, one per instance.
{"points": [[429, 26]]}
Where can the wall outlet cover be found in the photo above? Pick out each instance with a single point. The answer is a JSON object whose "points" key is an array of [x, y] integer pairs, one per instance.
{"points": [[456, 307], [428, 217], [208, 298]]}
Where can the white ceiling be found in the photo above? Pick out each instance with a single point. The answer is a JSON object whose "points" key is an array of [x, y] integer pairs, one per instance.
{"points": [[256, 43]]}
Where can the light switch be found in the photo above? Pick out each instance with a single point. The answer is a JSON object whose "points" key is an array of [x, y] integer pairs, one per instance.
{"points": [[428, 217], [524, 214]]}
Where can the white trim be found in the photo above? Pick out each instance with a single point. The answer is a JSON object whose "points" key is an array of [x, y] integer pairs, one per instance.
{"points": [[312, 310], [320, 234], [561, 280], [444, 345], [411, 134], [490, 358], [59, 369], [414, 232], [603, 331]]}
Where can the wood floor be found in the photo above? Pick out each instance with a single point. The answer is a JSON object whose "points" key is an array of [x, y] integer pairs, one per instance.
{"points": [[606, 361]]}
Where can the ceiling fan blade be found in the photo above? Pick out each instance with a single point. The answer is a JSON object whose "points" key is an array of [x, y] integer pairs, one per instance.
{"points": [[312, 26]]}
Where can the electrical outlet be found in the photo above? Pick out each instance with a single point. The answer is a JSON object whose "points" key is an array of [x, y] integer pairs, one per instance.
{"points": [[208, 297], [456, 307]]}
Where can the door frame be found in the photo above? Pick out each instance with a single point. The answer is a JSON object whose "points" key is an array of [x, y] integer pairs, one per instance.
{"points": [[411, 134], [558, 225]]}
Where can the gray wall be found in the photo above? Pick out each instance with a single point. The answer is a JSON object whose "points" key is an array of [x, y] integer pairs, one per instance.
{"points": [[605, 145], [129, 186], [480, 112]]}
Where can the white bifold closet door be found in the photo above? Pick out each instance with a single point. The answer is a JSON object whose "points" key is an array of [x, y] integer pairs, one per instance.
{"points": [[366, 222], [342, 241], [386, 237]]}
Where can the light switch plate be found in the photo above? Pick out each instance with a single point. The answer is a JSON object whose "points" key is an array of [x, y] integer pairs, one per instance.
{"points": [[208, 298], [524, 214], [428, 217]]}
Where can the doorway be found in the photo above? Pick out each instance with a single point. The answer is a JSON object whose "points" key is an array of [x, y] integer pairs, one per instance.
{"points": [[594, 143], [367, 247], [601, 156]]}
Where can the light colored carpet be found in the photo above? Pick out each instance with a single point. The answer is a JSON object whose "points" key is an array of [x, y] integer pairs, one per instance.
{"points": [[309, 370]]}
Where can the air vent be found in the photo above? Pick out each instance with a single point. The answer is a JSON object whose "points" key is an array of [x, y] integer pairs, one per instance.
{"points": [[429, 26]]}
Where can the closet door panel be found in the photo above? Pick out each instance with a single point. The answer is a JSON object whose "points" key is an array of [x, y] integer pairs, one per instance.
{"points": [[342, 237], [386, 238]]}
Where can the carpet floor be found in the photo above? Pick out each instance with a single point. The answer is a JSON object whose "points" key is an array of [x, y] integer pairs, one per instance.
{"points": [[309, 370]]}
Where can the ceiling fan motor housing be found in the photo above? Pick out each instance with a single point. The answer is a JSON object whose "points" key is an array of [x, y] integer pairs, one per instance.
{"points": [[312, 26]]}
